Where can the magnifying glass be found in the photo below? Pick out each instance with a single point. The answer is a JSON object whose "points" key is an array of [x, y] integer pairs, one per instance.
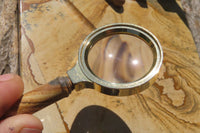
{"points": [[117, 59]]}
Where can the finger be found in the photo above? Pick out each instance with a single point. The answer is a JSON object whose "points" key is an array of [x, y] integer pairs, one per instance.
{"points": [[11, 89], [23, 123]]}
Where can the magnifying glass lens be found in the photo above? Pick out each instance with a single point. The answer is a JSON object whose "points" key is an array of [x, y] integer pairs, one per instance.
{"points": [[120, 58]]}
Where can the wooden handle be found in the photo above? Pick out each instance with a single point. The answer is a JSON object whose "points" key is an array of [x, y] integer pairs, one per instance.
{"points": [[43, 96]]}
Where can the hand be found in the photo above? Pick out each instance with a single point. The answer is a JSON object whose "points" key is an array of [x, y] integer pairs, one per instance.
{"points": [[11, 89]]}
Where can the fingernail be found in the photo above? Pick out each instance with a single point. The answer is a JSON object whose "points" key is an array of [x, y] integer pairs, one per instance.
{"points": [[6, 77], [30, 130]]}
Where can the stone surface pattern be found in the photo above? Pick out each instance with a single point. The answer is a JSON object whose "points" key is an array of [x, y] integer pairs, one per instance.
{"points": [[192, 9], [8, 37], [51, 34]]}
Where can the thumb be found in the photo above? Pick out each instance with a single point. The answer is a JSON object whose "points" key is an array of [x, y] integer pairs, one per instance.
{"points": [[21, 124]]}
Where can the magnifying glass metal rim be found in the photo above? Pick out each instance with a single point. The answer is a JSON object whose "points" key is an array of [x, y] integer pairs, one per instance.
{"points": [[120, 28]]}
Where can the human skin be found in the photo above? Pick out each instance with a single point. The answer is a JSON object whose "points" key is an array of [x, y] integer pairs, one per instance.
{"points": [[11, 89]]}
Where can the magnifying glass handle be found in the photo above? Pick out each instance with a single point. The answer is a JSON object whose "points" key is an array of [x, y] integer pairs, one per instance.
{"points": [[43, 96]]}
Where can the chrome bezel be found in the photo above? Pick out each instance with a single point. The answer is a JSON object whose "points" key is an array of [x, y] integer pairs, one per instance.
{"points": [[120, 28]]}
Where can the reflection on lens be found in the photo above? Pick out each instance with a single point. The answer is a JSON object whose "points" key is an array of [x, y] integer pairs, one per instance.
{"points": [[120, 58]]}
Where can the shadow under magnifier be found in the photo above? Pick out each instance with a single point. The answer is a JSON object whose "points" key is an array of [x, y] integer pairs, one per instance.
{"points": [[97, 119]]}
